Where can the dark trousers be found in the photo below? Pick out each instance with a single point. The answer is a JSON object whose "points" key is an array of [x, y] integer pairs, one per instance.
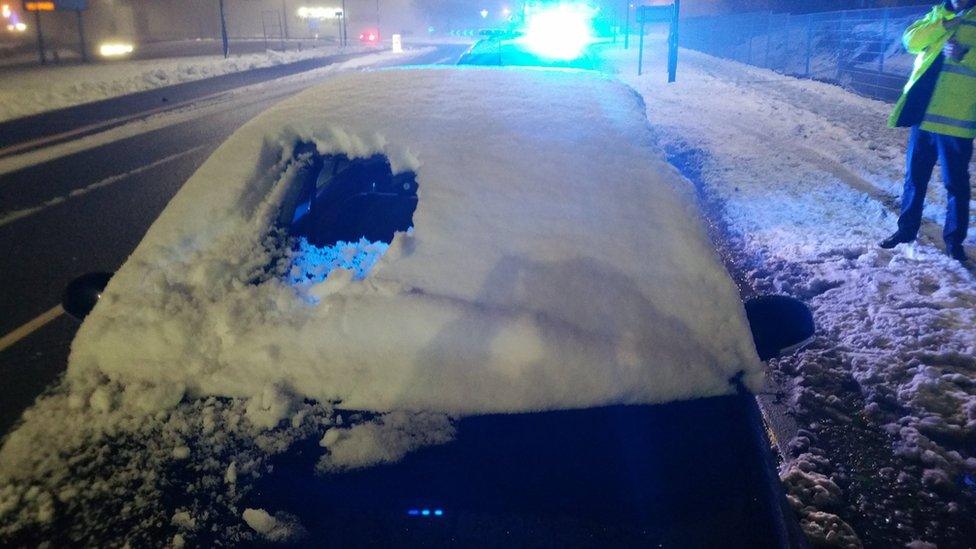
{"points": [[954, 155]]}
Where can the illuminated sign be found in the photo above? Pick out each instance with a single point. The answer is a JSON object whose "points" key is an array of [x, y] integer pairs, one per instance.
{"points": [[39, 6], [57, 5]]}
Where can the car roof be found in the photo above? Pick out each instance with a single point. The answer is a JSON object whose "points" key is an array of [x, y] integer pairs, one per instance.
{"points": [[556, 259]]}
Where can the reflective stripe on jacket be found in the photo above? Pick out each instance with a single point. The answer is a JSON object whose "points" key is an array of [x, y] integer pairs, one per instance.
{"points": [[951, 107]]}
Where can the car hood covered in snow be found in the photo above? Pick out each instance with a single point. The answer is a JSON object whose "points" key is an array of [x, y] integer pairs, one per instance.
{"points": [[556, 261]]}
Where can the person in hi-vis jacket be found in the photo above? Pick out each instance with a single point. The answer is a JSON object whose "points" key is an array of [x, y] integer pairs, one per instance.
{"points": [[939, 105]]}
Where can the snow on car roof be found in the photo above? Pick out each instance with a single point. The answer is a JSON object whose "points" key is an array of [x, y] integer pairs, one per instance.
{"points": [[556, 261]]}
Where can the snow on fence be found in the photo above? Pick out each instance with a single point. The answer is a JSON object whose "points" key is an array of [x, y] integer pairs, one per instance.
{"points": [[858, 49]]}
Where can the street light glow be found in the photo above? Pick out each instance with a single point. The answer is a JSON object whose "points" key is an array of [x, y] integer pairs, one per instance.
{"points": [[5, 11], [319, 12], [115, 49], [484, 14]]}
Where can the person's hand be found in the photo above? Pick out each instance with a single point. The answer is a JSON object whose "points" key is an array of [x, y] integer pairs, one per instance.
{"points": [[954, 50], [951, 24]]}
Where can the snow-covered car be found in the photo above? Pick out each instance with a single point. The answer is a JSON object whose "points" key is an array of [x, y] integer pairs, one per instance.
{"points": [[506, 248]]}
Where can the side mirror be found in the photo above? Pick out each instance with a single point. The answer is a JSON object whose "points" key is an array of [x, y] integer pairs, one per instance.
{"points": [[780, 325], [82, 293]]}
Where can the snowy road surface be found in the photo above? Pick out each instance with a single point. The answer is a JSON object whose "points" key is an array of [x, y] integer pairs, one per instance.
{"points": [[83, 206], [805, 178]]}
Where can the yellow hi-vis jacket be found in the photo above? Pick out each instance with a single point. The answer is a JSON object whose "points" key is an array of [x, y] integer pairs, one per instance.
{"points": [[952, 107]]}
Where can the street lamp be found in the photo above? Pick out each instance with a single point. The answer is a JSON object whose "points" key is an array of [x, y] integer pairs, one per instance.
{"points": [[223, 29]]}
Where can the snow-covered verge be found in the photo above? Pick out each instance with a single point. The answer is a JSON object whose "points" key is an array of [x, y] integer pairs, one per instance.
{"points": [[804, 178], [556, 261], [33, 90]]}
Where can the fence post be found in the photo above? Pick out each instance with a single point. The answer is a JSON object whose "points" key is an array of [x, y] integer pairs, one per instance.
{"points": [[843, 45], [884, 43], [806, 72], [751, 35], [769, 32]]}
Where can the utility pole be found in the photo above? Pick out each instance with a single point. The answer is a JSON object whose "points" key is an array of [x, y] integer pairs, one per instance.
{"points": [[284, 15], [82, 46], [40, 35], [223, 30], [345, 33], [627, 24]]}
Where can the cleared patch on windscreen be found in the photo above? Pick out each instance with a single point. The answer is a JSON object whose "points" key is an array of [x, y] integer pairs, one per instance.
{"points": [[342, 212]]}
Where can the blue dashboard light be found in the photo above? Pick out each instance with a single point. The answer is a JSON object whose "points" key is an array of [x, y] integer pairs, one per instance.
{"points": [[413, 512], [425, 512], [439, 512]]}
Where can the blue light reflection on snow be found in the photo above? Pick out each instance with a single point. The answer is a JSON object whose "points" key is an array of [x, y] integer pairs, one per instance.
{"points": [[559, 32], [311, 264]]}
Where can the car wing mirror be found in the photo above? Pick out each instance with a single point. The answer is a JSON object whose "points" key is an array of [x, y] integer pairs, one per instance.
{"points": [[82, 293], [780, 325]]}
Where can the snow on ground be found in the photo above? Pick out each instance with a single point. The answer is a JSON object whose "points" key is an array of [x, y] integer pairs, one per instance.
{"points": [[805, 177], [559, 263], [31, 90]]}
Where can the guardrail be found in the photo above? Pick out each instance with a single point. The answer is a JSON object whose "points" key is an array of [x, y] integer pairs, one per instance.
{"points": [[858, 49]]}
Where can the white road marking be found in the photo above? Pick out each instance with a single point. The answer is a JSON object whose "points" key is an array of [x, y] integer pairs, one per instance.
{"points": [[10, 217], [30, 327]]}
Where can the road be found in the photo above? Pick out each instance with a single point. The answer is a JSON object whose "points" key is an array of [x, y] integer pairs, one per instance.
{"points": [[84, 204], [24, 54]]}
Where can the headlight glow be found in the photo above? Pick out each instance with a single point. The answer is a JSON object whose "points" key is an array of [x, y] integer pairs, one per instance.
{"points": [[115, 49], [561, 32]]}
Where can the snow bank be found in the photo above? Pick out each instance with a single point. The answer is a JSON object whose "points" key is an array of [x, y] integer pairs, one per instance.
{"points": [[807, 178], [557, 261], [33, 90]]}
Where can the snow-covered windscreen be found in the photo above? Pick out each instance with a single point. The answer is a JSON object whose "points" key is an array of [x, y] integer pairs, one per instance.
{"points": [[554, 260]]}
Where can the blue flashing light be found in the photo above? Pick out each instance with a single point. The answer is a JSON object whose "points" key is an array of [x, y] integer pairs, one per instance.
{"points": [[425, 512], [559, 32]]}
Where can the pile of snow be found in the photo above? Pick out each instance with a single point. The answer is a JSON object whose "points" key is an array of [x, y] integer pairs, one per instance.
{"points": [[280, 528], [385, 440], [557, 261], [32, 90], [807, 177]]}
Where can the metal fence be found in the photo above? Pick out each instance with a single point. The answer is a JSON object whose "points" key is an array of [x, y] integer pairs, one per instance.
{"points": [[858, 49]]}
